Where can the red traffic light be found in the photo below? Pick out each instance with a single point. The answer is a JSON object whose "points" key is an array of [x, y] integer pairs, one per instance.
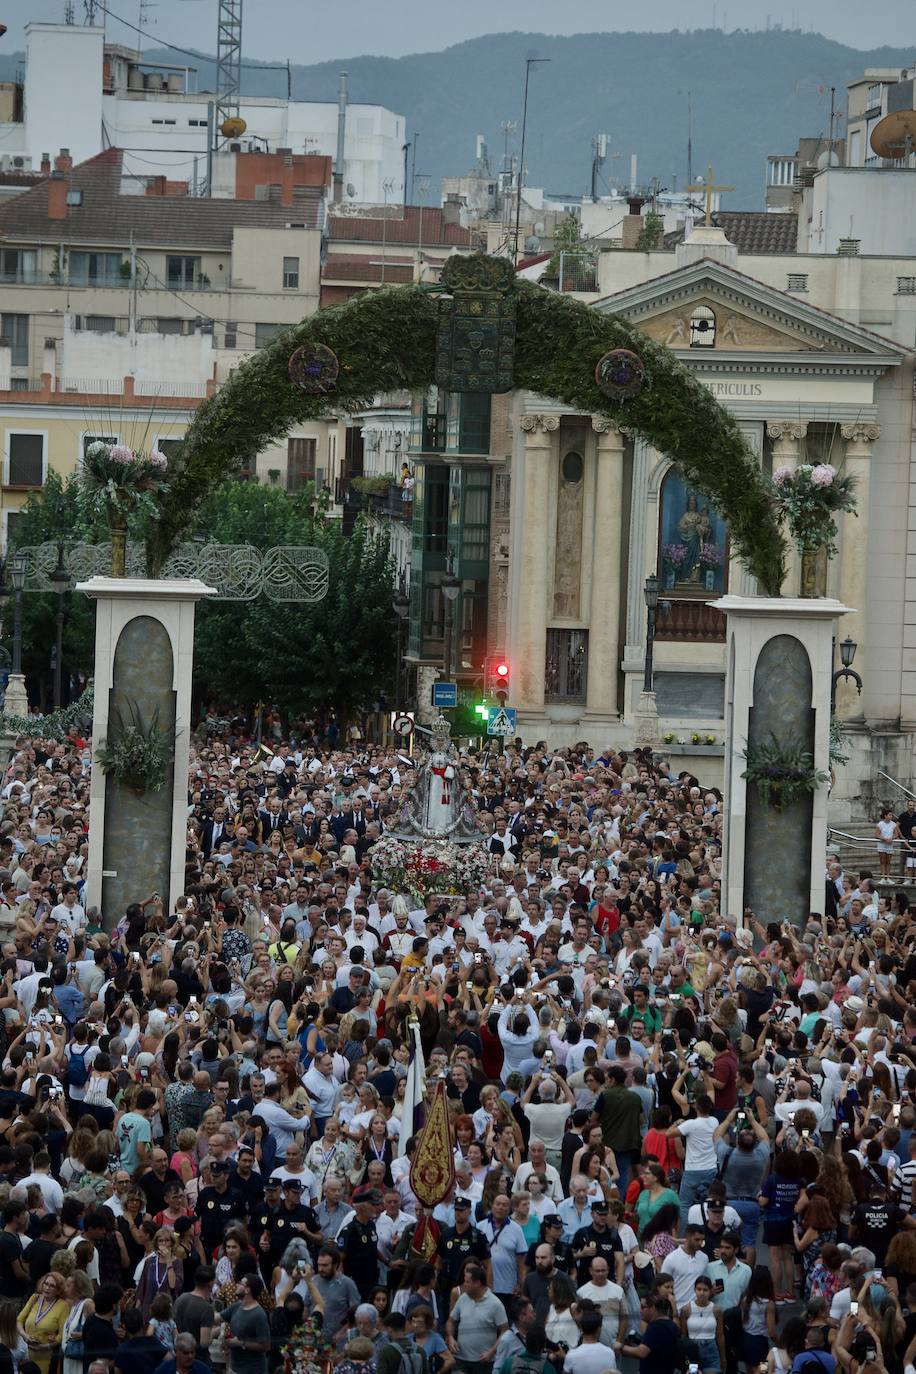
{"points": [[502, 670]]}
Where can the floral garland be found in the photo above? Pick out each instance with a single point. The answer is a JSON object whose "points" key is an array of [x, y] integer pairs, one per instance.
{"points": [[781, 773], [808, 497], [53, 726], [423, 867]]}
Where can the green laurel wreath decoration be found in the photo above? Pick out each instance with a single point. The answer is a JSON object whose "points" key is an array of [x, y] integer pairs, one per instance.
{"points": [[52, 726], [136, 753], [781, 773]]}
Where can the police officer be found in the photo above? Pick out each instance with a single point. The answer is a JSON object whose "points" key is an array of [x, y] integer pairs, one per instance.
{"points": [[456, 1244], [594, 1240], [217, 1206], [358, 1241], [293, 1218], [551, 1234]]}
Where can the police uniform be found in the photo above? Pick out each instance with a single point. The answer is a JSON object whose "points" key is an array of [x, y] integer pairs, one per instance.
{"points": [[358, 1243], [216, 1210], [455, 1247], [283, 1226], [606, 1244]]}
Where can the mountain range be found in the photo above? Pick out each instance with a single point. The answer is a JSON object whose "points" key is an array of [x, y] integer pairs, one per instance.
{"points": [[751, 93]]}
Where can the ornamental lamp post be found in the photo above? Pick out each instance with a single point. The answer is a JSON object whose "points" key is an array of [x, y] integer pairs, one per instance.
{"points": [[16, 701], [847, 653], [61, 582], [647, 710]]}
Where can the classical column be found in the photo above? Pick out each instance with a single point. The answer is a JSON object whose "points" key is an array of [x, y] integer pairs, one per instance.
{"points": [[532, 586], [787, 436], [604, 650], [854, 528]]}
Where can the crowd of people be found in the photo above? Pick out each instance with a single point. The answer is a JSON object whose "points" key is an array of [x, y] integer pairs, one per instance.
{"points": [[680, 1139]]}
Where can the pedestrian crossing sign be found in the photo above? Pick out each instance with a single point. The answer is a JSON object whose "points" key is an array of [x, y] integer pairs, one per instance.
{"points": [[501, 720]]}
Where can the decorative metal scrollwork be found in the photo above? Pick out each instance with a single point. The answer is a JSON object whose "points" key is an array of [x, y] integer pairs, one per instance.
{"points": [[239, 572]]}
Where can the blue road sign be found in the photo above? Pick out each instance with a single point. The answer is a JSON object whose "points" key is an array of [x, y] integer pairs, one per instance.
{"points": [[501, 721], [445, 694]]}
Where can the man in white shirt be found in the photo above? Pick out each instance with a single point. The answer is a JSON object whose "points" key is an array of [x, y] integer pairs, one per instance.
{"points": [[700, 1162], [686, 1264], [68, 913], [607, 1297], [51, 1191]]}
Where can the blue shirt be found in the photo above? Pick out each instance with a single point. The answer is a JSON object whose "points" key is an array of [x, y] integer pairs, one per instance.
{"points": [[572, 1220], [70, 1001]]}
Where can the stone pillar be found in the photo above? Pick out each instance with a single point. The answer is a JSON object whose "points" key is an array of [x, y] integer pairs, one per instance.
{"points": [[604, 650], [778, 653], [854, 558], [144, 651], [531, 620], [787, 436], [427, 675]]}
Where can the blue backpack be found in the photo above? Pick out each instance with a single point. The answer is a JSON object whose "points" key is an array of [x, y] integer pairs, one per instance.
{"points": [[77, 1075]]}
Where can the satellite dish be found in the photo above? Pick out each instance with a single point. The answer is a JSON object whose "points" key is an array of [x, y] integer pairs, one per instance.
{"points": [[233, 127], [539, 227], [351, 189], [894, 136], [828, 158], [532, 244]]}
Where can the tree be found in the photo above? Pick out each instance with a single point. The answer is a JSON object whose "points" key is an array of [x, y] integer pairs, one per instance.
{"points": [[567, 238], [652, 232]]}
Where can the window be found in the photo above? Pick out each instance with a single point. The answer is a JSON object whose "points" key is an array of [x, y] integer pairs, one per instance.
{"points": [[20, 384], [162, 121], [169, 324], [230, 336], [300, 463], [873, 97], [798, 281], [263, 333], [290, 274], [14, 333], [566, 665], [18, 264], [97, 269], [702, 328], [167, 446], [906, 286], [197, 124], [74, 197], [25, 459], [501, 492], [13, 518], [100, 324], [181, 270]]}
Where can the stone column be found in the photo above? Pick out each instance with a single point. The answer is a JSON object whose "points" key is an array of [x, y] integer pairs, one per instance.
{"points": [[531, 620], [854, 530], [787, 436], [778, 686], [604, 651], [144, 651]]}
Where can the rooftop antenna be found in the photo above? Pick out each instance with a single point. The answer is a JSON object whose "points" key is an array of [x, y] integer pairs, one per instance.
{"points": [[599, 153], [529, 63], [90, 7], [68, 12]]}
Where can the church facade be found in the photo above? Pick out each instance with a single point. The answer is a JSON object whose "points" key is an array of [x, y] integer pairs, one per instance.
{"points": [[811, 356]]}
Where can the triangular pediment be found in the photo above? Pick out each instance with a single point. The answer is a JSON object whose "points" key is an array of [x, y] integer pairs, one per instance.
{"points": [[750, 318]]}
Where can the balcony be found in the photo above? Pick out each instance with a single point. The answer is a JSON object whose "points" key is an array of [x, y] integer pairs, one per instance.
{"points": [[37, 278], [689, 622], [438, 434], [357, 497]]}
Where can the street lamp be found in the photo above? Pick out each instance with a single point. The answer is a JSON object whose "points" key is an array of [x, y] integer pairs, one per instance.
{"points": [[400, 604], [451, 586], [61, 582], [847, 654], [15, 698], [647, 710]]}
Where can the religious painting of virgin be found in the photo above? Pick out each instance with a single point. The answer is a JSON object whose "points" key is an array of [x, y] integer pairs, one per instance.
{"points": [[693, 540]]}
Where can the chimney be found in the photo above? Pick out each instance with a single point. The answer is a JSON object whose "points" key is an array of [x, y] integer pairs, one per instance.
{"points": [[451, 210], [63, 162], [632, 225], [341, 138], [57, 196], [46, 164]]}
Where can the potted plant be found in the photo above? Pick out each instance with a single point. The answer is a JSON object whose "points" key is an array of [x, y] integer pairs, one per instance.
{"points": [[673, 556], [809, 497], [710, 562], [136, 754], [781, 772], [117, 482]]}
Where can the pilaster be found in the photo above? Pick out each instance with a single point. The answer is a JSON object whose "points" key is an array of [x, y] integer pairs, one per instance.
{"points": [[854, 534], [604, 648], [787, 437]]}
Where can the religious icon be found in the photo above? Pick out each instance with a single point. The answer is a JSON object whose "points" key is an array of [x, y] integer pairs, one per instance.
{"points": [[693, 540]]}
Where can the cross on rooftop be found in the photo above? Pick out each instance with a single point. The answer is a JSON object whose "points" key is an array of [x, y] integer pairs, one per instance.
{"points": [[707, 187]]}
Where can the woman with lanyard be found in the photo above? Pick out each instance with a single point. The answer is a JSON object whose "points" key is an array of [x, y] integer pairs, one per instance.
{"points": [[330, 1157], [161, 1273], [376, 1146]]}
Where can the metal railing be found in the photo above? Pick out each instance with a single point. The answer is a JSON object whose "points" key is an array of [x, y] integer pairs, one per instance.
{"points": [[894, 783], [118, 283]]}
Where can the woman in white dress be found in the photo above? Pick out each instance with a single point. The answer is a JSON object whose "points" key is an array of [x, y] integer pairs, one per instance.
{"points": [[79, 1293], [886, 832]]}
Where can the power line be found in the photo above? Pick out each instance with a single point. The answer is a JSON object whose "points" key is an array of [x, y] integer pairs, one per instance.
{"points": [[187, 52]]}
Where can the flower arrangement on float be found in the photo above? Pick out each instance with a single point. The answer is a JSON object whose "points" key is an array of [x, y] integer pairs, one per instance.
{"points": [[424, 867]]}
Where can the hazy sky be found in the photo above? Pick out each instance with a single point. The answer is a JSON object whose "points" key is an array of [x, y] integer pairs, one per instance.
{"points": [[314, 30]]}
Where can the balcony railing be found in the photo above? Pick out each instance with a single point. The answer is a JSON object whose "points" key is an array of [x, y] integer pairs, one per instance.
{"points": [[437, 434], [689, 622], [36, 278]]}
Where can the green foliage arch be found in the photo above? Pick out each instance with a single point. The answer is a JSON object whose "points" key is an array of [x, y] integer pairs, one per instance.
{"points": [[385, 341]]}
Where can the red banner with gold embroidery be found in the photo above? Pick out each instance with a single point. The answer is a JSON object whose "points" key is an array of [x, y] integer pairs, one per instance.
{"points": [[432, 1173]]}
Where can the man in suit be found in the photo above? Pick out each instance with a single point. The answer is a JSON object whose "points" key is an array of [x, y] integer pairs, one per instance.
{"points": [[215, 830], [272, 818]]}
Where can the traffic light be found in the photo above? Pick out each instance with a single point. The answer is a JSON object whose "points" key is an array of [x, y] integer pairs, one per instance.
{"points": [[501, 679]]}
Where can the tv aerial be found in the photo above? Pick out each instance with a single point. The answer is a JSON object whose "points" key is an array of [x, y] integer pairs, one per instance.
{"points": [[894, 136]]}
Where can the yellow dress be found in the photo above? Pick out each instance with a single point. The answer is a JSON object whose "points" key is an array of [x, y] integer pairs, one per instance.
{"points": [[44, 1324]]}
